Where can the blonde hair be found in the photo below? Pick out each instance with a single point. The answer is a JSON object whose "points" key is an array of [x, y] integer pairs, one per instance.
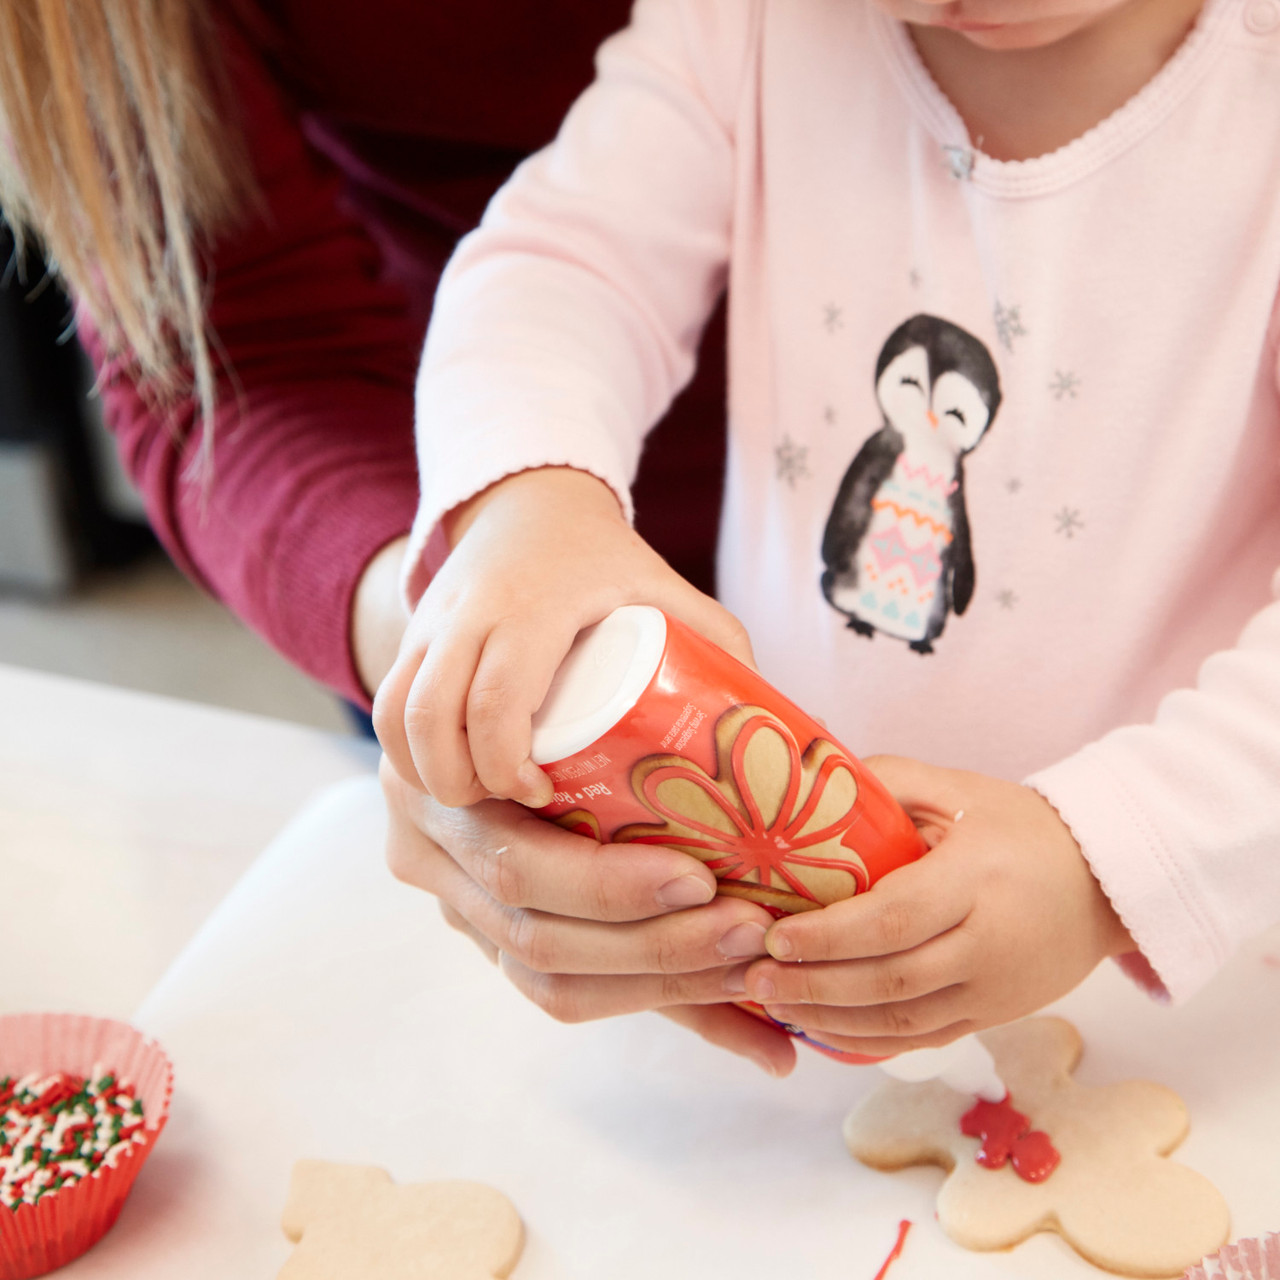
{"points": [[117, 156]]}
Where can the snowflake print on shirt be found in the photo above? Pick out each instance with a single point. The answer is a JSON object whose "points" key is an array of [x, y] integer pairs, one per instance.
{"points": [[1065, 384], [1067, 522], [1008, 322], [792, 461], [896, 547]]}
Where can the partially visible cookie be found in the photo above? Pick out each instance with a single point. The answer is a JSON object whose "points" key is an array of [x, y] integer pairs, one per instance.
{"points": [[351, 1222], [1113, 1197]]}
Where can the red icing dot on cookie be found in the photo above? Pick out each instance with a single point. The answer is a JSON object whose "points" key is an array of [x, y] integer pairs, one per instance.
{"points": [[1007, 1135], [998, 1125], [1034, 1156]]}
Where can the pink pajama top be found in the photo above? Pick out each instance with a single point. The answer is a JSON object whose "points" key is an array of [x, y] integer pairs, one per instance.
{"points": [[1003, 482]]}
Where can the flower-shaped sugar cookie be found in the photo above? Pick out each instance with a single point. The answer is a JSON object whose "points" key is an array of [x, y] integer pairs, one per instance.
{"points": [[772, 820], [1114, 1197], [352, 1221]]}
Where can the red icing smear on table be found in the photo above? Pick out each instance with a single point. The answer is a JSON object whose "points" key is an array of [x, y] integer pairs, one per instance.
{"points": [[1007, 1136], [903, 1227]]}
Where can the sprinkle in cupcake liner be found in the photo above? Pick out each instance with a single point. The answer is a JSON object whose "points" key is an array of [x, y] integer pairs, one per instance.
{"points": [[56, 1129]]}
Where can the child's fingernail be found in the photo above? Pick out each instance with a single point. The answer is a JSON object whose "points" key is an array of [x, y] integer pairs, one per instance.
{"points": [[746, 939], [535, 786], [685, 891], [780, 946], [765, 1064], [735, 981]]}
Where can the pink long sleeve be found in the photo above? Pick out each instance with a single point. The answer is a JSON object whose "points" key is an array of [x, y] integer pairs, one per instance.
{"points": [[1180, 818], [592, 275]]}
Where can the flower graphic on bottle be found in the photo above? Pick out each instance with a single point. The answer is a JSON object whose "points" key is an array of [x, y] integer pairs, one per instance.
{"points": [[582, 822], [772, 820]]}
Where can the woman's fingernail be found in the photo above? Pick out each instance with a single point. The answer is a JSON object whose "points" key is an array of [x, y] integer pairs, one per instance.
{"points": [[765, 1064], [685, 891], [764, 989], [781, 947], [735, 981], [746, 939]]}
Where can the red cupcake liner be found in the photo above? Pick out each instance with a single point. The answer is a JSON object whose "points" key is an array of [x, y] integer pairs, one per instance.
{"points": [[1252, 1259], [38, 1238]]}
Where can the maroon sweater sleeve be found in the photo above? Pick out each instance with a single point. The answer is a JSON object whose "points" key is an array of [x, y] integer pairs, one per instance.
{"points": [[313, 462]]}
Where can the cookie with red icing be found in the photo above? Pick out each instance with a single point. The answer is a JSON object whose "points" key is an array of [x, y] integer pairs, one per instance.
{"points": [[1112, 1195]]}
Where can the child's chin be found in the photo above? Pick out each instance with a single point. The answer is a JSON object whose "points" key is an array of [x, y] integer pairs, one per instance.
{"points": [[1010, 37]]}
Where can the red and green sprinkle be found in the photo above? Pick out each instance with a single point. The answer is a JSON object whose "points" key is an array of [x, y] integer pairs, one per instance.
{"points": [[59, 1128]]}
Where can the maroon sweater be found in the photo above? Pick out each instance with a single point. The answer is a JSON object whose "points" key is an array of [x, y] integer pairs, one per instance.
{"points": [[377, 133]]}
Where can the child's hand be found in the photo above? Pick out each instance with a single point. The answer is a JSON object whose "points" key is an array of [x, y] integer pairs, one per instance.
{"points": [[587, 930], [1001, 916], [536, 557]]}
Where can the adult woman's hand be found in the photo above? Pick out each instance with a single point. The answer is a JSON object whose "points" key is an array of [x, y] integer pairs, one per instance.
{"points": [[586, 930]]}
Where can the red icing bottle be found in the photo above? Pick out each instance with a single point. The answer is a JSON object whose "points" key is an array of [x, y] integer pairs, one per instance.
{"points": [[652, 734]]}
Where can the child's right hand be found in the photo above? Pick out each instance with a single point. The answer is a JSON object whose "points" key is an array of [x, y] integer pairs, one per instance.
{"points": [[537, 557]]}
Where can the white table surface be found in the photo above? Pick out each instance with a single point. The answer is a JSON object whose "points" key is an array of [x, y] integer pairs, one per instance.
{"points": [[325, 1011], [124, 819]]}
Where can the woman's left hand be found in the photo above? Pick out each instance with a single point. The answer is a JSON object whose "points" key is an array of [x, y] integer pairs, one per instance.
{"points": [[1002, 916]]}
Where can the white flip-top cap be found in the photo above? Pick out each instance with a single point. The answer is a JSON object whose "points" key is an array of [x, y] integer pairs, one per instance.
{"points": [[599, 681]]}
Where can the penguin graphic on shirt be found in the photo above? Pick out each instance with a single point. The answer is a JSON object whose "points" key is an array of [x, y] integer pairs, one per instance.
{"points": [[896, 547]]}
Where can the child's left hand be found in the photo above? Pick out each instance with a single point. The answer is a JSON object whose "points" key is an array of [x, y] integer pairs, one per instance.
{"points": [[1002, 916]]}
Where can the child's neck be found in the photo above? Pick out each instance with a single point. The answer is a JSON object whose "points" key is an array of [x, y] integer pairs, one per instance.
{"points": [[1019, 104]]}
